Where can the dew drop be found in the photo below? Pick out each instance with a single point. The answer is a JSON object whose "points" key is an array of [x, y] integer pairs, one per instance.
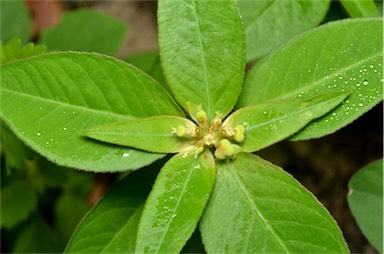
{"points": [[22, 132], [365, 82], [64, 129], [197, 166], [358, 84], [125, 154], [38, 134]]}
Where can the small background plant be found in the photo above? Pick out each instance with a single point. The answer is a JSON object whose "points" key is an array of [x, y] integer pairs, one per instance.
{"points": [[37, 178]]}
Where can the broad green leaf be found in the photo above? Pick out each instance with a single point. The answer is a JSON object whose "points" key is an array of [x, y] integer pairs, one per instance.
{"points": [[360, 8], [154, 134], [268, 23], [202, 49], [14, 21], [365, 199], [18, 201], [69, 210], [257, 207], [48, 99], [266, 124], [149, 62], [111, 226], [14, 51], [37, 236], [176, 203], [339, 56], [86, 30]]}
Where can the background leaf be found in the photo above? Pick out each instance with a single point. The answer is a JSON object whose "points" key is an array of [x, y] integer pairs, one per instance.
{"points": [[176, 203], [266, 124], [14, 51], [258, 208], [202, 51], [340, 56], [14, 21], [360, 8], [65, 93], [268, 23], [86, 30], [365, 199], [153, 134], [111, 226], [18, 201]]}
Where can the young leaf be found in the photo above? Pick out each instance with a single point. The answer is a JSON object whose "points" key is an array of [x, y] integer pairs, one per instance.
{"points": [[154, 134], [176, 203], [266, 124], [340, 56], [257, 207], [86, 30], [18, 201], [365, 199], [268, 23], [111, 226], [14, 21], [202, 51], [359, 8], [65, 93]]}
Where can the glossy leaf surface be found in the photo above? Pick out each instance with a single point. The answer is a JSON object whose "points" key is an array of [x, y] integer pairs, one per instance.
{"points": [[268, 23], [176, 203], [95, 32], [257, 207], [266, 124], [319, 62], [202, 51], [65, 93], [154, 134], [360, 8], [365, 199], [14, 21], [111, 226]]}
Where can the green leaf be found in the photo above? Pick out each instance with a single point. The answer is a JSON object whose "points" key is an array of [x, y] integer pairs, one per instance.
{"points": [[154, 134], [339, 56], [65, 93], [257, 207], [176, 203], [86, 30], [202, 50], [268, 23], [266, 124], [37, 237], [14, 21], [360, 8], [111, 226], [365, 199], [14, 51], [18, 201], [69, 210], [149, 62]]}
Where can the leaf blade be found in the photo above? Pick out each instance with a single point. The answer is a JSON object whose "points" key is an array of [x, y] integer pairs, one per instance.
{"points": [[176, 203], [274, 213], [332, 63], [154, 134], [192, 51], [266, 124], [357, 9], [65, 93], [365, 198]]}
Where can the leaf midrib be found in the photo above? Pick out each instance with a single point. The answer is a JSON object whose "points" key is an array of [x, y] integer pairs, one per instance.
{"points": [[255, 207], [67, 105]]}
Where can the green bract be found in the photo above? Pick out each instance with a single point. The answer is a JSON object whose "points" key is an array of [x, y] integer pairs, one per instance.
{"points": [[96, 113]]}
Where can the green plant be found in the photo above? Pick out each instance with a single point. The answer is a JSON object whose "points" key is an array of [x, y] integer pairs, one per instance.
{"points": [[309, 87]]}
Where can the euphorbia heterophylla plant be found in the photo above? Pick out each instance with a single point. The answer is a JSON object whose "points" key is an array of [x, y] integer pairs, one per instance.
{"points": [[64, 104]]}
